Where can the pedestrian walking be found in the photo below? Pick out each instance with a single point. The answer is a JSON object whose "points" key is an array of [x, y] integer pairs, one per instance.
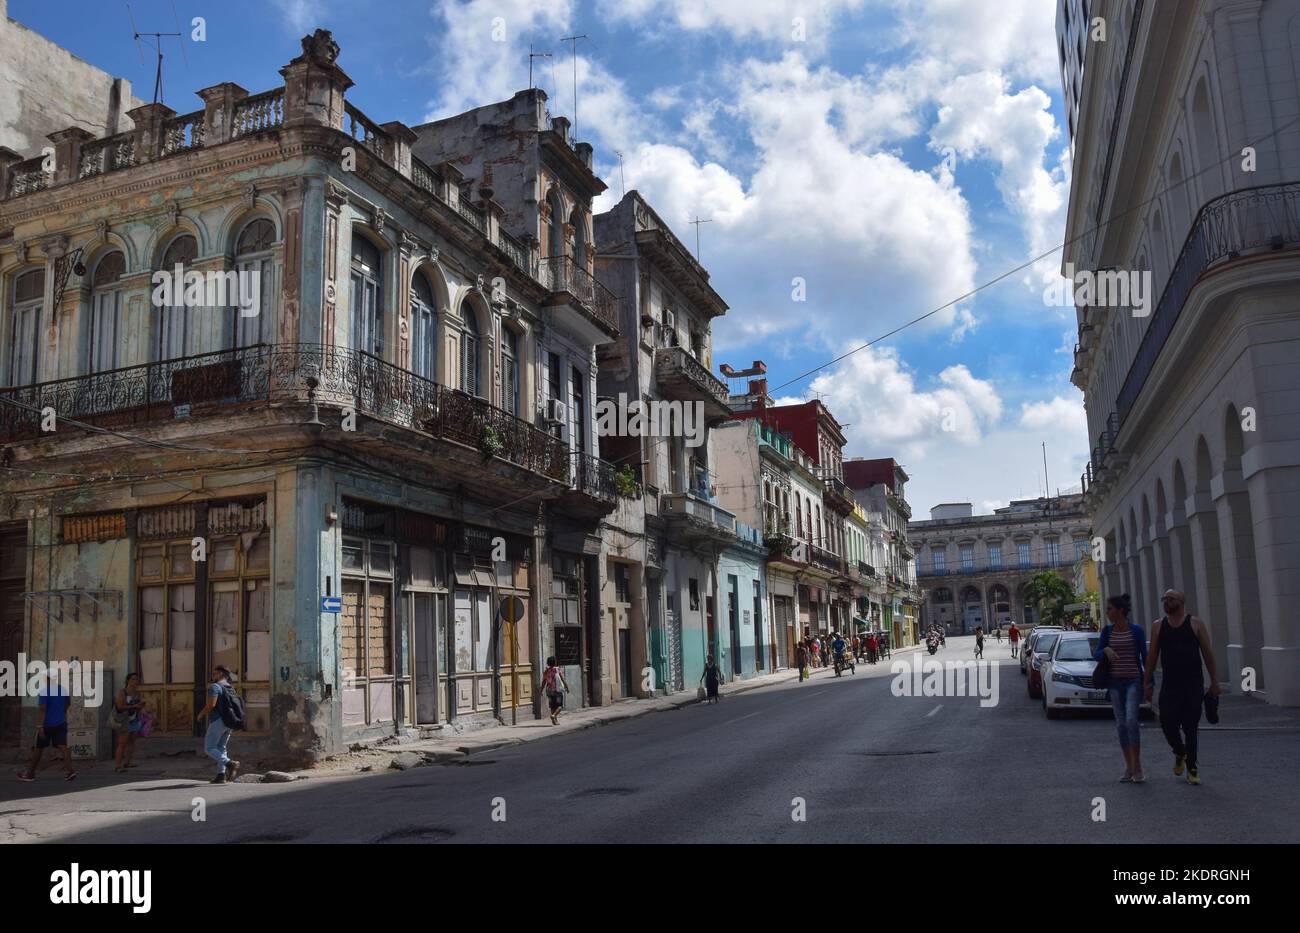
{"points": [[1013, 636], [801, 658], [127, 709], [872, 647], [1124, 648], [224, 713], [997, 634], [555, 685], [52, 704], [711, 678], [1181, 641], [979, 642]]}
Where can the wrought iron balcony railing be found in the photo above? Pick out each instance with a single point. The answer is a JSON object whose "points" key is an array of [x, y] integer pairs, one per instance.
{"points": [[1252, 220], [676, 369], [594, 477], [563, 274], [340, 377], [820, 557]]}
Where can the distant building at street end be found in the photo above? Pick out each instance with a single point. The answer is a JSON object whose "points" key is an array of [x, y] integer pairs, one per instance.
{"points": [[973, 569]]}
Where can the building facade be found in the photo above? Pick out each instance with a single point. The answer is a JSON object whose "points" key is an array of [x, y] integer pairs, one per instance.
{"points": [[1185, 173], [973, 569], [665, 359], [879, 485], [355, 497]]}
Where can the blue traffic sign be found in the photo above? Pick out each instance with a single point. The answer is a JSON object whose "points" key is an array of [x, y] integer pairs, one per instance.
{"points": [[331, 604]]}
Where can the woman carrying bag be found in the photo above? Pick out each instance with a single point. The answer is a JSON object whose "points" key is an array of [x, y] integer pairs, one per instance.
{"points": [[1121, 655]]}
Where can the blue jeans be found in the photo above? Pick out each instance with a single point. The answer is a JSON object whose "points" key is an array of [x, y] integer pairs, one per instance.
{"points": [[215, 743], [1125, 700]]}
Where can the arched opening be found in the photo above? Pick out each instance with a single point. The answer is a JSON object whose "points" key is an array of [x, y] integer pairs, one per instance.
{"points": [[178, 335], [1180, 537], [1206, 533], [255, 274], [366, 294], [424, 328], [24, 336], [471, 363], [555, 229], [1208, 156], [106, 335], [972, 609], [1164, 541], [1137, 579], [999, 605], [1240, 552], [578, 242]]}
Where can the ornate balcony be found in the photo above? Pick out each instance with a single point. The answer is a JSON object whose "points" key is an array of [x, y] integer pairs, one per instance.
{"points": [[692, 521], [820, 557], [1247, 222], [336, 377], [594, 487], [571, 284], [680, 375]]}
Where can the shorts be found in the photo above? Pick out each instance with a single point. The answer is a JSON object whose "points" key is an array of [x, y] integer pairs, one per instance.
{"points": [[556, 700], [56, 736]]}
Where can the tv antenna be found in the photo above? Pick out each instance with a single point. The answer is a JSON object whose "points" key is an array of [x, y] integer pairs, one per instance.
{"points": [[622, 178], [574, 40], [157, 44], [697, 223], [531, 56]]}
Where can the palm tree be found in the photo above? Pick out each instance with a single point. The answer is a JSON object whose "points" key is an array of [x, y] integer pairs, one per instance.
{"points": [[1048, 592]]}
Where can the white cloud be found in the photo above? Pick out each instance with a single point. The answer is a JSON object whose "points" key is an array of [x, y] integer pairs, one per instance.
{"points": [[302, 16], [798, 22], [1016, 37]]}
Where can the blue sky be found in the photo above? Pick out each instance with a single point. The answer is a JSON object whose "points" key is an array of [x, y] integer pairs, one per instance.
{"points": [[890, 155]]}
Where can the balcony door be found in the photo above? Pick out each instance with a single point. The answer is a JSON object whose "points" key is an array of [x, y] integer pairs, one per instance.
{"points": [[28, 302], [366, 293]]}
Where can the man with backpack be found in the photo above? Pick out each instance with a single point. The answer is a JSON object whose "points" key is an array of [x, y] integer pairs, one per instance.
{"points": [[225, 714]]}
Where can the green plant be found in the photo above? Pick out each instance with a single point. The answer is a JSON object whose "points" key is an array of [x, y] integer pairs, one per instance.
{"points": [[625, 481], [490, 442], [1049, 593]]}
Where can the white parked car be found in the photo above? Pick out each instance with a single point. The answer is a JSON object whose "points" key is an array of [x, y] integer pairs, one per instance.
{"points": [[1067, 674]]}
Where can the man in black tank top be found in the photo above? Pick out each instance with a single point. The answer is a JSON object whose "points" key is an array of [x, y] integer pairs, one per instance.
{"points": [[1180, 641]]}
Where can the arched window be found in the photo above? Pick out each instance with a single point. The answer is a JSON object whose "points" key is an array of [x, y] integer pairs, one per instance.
{"points": [[255, 307], [29, 300], [579, 239], [367, 297], [510, 370], [469, 358], [175, 322], [107, 325], [555, 235], [424, 329]]}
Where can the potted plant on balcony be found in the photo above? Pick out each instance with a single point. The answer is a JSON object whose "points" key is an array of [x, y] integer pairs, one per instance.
{"points": [[625, 481], [490, 442]]}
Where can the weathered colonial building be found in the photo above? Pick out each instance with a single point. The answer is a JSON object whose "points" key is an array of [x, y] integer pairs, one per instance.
{"points": [[879, 485], [665, 356], [973, 568], [362, 496], [1186, 173]]}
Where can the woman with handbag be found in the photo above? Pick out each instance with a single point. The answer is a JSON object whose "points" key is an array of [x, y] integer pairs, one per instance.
{"points": [[127, 720], [1120, 655]]}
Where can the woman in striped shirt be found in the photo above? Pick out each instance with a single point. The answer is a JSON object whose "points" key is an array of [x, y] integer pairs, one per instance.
{"points": [[1124, 646]]}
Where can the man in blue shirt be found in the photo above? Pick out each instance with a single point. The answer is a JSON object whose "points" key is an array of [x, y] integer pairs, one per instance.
{"points": [[217, 738], [53, 702]]}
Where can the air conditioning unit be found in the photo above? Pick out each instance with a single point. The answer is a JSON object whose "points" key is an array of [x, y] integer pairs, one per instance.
{"points": [[555, 411]]}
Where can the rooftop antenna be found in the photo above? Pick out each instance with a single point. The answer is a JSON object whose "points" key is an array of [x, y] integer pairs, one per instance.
{"points": [[697, 223], [531, 56], [622, 180], [157, 42], [574, 40]]}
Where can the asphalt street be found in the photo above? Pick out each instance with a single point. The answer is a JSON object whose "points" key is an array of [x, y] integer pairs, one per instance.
{"points": [[856, 762]]}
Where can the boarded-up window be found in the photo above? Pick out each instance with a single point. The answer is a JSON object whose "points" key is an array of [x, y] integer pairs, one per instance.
{"points": [[352, 635], [257, 622], [153, 634], [225, 626], [379, 625], [181, 623]]}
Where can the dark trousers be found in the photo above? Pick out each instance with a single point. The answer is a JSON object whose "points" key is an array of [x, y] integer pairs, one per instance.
{"points": [[1180, 714]]}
